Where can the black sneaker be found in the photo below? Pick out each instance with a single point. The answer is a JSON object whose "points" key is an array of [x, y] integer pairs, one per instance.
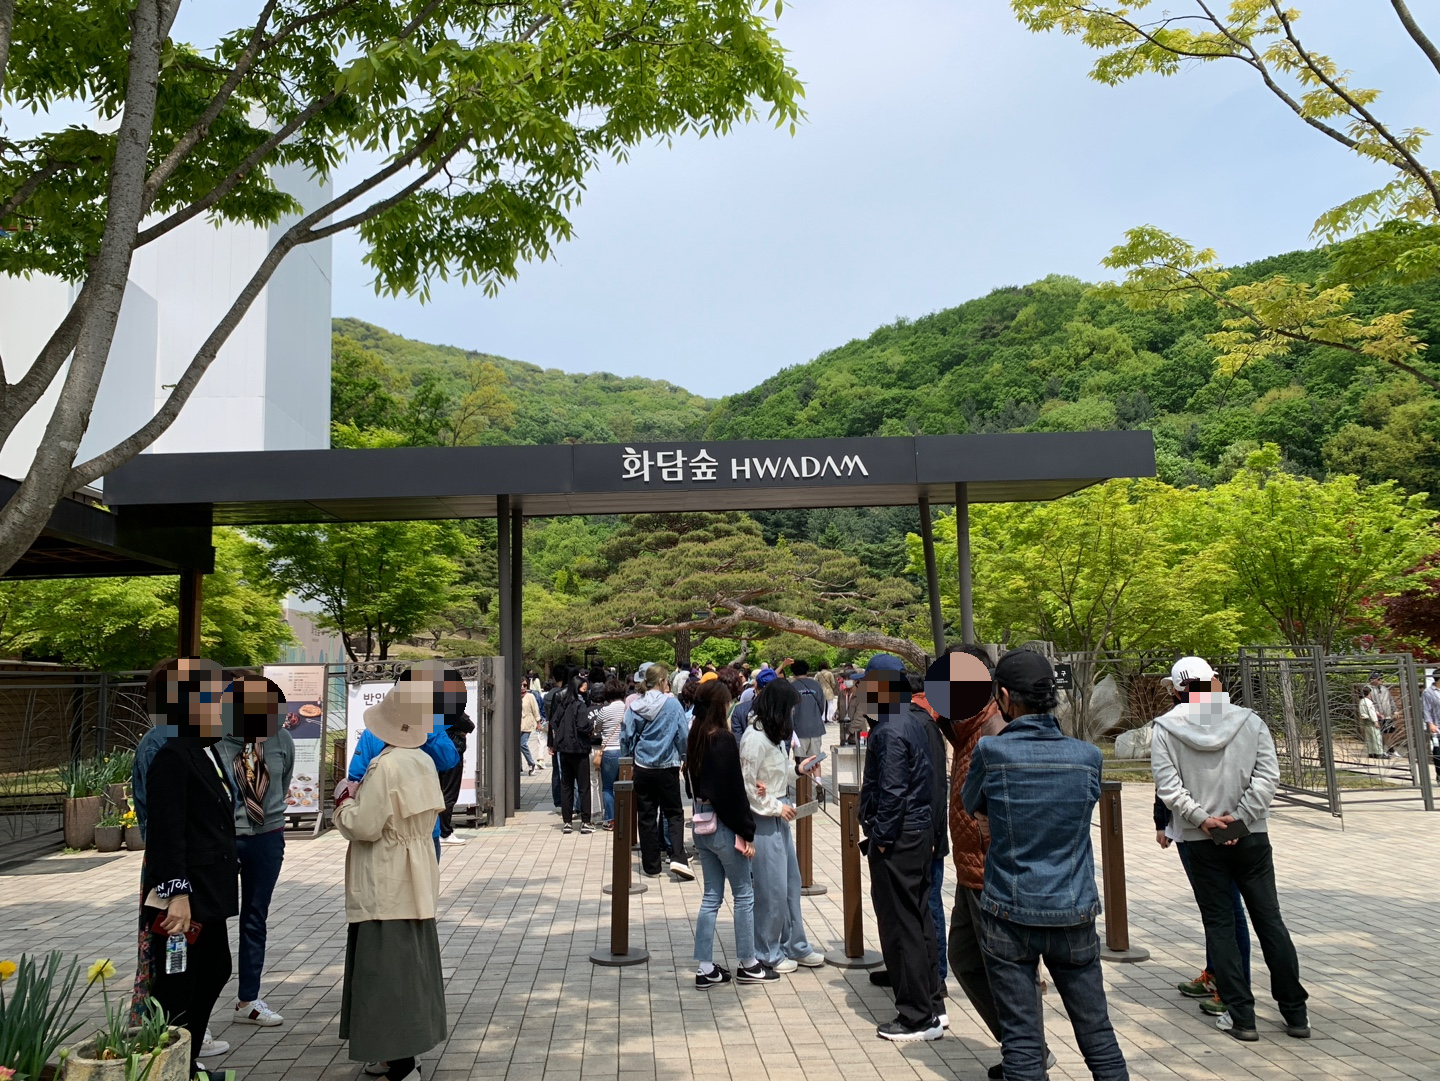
{"points": [[898, 1032], [1299, 1029], [585, 827], [758, 974], [707, 980], [880, 977], [568, 828]]}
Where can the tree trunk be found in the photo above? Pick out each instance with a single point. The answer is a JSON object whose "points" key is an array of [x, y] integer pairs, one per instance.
{"points": [[682, 649]]}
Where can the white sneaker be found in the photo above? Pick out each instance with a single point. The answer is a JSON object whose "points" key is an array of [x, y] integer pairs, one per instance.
{"points": [[213, 1048], [376, 1069], [1225, 1022], [944, 1020], [787, 964], [453, 839], [256, 1013], [682, 870], [811, 960]]}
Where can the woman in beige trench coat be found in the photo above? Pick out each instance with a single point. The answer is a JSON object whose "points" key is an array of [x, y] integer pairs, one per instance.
{"points": [[393, 1004]]}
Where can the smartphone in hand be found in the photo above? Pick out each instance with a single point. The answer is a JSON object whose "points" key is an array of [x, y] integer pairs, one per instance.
{"points": [[1233, 831]]}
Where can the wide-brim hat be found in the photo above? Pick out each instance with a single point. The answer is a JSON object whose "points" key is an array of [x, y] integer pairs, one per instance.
{"points": [[405, 716]]}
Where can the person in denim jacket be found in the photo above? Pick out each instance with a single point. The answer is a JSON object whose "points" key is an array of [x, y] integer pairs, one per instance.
{"points": [[1035, 789]]}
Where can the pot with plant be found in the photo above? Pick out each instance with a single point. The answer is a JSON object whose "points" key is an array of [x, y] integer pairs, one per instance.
{"points": [[109, 832], [39, 1002], [153, 1050], [83, 780], [134, 840]]}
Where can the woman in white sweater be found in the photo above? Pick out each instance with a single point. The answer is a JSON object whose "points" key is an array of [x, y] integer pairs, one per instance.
{"points": [[765, 761]]}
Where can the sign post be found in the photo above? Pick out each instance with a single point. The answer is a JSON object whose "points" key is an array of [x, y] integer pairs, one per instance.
{"points": [[303, 686]]}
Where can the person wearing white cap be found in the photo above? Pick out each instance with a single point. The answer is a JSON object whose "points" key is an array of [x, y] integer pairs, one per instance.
{"points": [[392, 1007], [1216, 770]]}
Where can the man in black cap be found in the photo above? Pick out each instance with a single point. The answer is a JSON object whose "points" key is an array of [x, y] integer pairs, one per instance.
{"points": [[1037, 788], [895, 811]]}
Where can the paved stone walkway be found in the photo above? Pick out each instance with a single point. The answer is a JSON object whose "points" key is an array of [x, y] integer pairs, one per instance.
{"points": [[522, 908]]}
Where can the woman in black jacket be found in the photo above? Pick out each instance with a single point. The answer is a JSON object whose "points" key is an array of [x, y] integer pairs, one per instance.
{"points": [[570, 727], [191, 876], [724, 837]]}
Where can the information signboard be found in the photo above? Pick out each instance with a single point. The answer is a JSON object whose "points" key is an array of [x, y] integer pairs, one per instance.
{"points": [[364, 695], [303, 686]]}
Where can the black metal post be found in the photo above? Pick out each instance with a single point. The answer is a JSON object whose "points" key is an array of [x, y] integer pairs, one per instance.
{"points": [[500, 749], [516, 655], [932, 576], [962, 560]]}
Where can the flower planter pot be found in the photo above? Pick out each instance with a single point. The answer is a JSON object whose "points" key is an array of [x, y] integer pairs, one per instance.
{"points": [[81, 814], [108, 838], [172, 1063], [133, 840]]}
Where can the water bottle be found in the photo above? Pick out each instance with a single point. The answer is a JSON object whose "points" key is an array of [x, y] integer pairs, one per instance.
{"points": [[175, 955]]}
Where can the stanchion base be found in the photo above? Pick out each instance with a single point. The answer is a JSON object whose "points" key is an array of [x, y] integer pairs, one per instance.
{"points": [[868, 959], [635, 887], [1124, 957], [816, 890], [605, 959]]}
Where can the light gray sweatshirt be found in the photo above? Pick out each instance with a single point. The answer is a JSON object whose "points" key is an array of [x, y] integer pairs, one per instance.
{"points": [[1213, 758]]}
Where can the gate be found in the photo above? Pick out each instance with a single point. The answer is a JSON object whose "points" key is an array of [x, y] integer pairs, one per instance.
{"points": [[1310, 700]]}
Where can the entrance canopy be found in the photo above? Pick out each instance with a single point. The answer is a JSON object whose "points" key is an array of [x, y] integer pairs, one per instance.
{"points": [[465, 482]]}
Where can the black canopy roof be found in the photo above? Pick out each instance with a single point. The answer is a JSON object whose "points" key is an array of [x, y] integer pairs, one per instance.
{"points": [[463, 482]]}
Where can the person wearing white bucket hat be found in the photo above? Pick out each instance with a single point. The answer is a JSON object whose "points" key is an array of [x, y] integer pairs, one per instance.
{"points": [[393, 1004]]}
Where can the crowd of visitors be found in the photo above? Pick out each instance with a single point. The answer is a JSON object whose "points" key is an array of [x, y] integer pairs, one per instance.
{"points": [[966, 761]]}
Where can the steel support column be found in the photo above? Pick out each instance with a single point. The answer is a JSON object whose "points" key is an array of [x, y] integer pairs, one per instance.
{"points": [[516, 656], [962, 559], [932, 577], [499, 767]]}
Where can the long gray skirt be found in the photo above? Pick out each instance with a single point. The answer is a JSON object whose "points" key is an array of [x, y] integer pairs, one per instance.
{"points": [[393, 1003]]}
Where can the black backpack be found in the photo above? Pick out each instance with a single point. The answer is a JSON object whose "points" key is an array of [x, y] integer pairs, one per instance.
{"points": [[570, 727]]}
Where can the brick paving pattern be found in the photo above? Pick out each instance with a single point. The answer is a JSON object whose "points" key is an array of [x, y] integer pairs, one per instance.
{"points": [[522, 908]]}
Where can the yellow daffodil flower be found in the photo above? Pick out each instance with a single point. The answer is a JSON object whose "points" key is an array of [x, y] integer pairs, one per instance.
{"points": [[7, 969], [101, 970]]}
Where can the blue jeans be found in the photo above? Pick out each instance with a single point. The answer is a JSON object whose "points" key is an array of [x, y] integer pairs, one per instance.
{"points": [[1242, 928], [779, 928], [260, 856], [720, 863], [1072, 954], [937, 909], [525, 749], [609, 774]]}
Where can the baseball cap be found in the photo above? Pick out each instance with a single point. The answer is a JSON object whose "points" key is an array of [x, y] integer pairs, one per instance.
{"points": [[1186, 669], [884, 662], [764, 677], [639, 676], [1025, 672]]}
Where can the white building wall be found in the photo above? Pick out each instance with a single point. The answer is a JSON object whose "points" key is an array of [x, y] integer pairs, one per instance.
{"points": [[269, 386]]}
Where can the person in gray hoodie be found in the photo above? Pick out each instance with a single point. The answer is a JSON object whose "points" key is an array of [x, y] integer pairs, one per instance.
{"points": [[1216, 770], [654, 733]]}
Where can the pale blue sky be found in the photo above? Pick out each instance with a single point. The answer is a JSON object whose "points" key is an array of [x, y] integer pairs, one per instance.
{"points": [[947, 152]]}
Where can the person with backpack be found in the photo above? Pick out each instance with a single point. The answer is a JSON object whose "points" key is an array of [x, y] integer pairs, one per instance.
{"points": [[809, 717], [570, 728], [654, 734]]}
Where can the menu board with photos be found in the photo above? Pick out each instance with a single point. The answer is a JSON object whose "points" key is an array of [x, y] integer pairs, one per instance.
{"points": [[303, 686], [364, 695]]}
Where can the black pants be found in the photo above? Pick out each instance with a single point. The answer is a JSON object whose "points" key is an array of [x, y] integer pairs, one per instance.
{"points": [[450, 789], [189, 996], [900, 891], [967, 959], [574, 772], [657, 793], [1250, 864]]}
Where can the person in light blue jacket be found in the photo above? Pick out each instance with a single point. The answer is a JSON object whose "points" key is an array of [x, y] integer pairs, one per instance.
{"points": [[438, 744], [654, 734]]}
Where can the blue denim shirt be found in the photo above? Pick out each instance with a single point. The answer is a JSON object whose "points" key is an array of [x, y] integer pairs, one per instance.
{"points": [[438, 746], [1039, 788]]}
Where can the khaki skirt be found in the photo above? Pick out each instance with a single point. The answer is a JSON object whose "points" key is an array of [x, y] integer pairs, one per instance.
{"points": [[393, 1002]]}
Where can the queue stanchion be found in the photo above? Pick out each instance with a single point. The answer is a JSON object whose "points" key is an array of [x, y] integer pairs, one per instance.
{"points": [[852, 953], [805, 839], [627, 773], [1117, 946], [620, 953], [626, 825]]}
